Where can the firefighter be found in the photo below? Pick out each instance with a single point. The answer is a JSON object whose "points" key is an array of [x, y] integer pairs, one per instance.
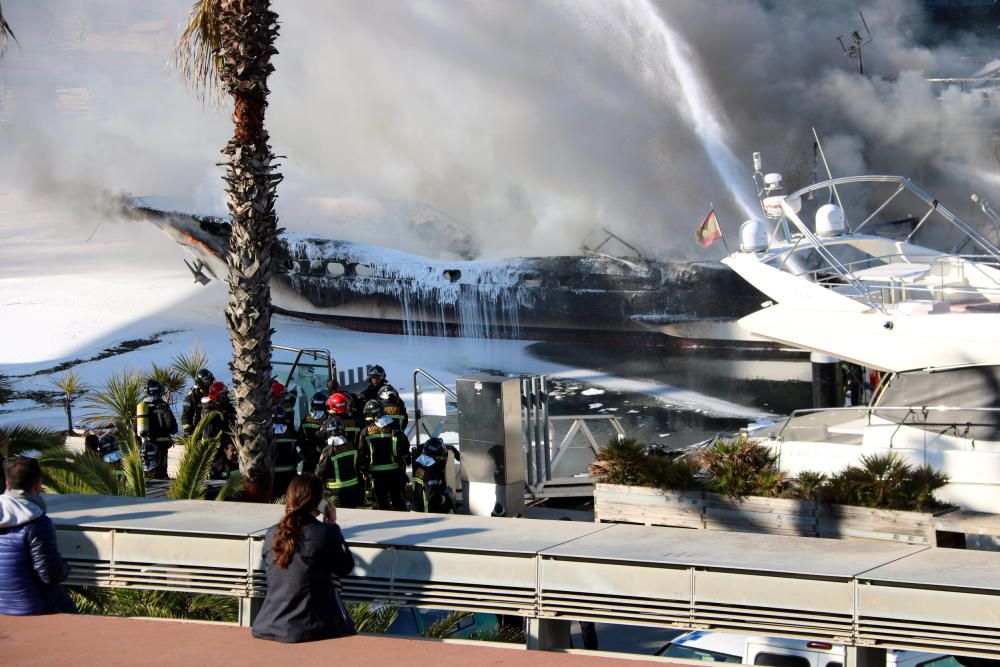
{"points": [[191, 412], [382, 451], [393, 406], [219, 414], [155, 423], [338, 467], [309, 431], [340, 404], [226, 464], [286, 451], [431, 492], [376, 378]]}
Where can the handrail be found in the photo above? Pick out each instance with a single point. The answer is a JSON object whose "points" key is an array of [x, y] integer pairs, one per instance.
{"points": [[868, 410], [417, 413]]}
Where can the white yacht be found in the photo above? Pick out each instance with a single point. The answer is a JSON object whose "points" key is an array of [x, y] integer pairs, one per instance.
{"points": [[888, 278]]}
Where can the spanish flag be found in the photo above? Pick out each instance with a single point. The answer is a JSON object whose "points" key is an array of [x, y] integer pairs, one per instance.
{"points": [[708, 231]]}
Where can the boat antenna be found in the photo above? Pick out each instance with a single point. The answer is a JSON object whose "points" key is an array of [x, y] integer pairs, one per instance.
{"points": [[829, 175], [853, 52]]}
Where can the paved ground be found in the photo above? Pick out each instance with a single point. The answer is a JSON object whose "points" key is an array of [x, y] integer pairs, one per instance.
{"points": [[80, 641]]}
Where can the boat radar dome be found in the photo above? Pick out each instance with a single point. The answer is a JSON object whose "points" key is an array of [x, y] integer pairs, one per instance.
{"points": [[829, 221], [753, 236]]}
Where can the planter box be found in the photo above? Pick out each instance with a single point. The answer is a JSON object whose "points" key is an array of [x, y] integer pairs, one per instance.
{"points": [[775, 516], [648, 506], [847, 521]]}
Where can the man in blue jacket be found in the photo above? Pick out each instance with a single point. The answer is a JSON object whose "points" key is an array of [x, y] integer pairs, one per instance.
{"points": [[30, 565]]}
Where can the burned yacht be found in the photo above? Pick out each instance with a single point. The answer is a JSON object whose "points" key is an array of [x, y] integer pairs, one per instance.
{"points": [[377, 289]]}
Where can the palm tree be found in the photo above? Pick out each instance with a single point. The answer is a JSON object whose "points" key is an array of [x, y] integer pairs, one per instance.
{"points": [[228, 44]]}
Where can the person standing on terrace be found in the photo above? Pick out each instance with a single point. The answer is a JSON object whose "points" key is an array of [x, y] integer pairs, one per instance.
{"points": [[30, 565], [303, 557]]}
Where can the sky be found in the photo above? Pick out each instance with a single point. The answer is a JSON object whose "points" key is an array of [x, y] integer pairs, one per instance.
{"points": [[532, 124]]}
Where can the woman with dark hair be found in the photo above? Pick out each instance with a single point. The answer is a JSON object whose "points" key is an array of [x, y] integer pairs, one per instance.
{"points": [[302, 557]]}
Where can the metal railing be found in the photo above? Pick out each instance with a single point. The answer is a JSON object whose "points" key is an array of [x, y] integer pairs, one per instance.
{"points": [[861, 594], [418, 415]]}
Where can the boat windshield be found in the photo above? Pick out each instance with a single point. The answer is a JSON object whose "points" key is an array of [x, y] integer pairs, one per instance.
{"points": [[809, 261], [964, 399]]}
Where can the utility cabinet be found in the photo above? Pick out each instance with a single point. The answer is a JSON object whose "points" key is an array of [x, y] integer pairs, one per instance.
{"points": [[492, 443]]}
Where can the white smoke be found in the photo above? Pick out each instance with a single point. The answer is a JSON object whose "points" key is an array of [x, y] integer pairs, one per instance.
{"points": [[532, 124]]}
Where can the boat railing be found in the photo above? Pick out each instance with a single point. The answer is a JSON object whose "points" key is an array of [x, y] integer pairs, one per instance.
{"points": [[842, 423], [874, 297]]}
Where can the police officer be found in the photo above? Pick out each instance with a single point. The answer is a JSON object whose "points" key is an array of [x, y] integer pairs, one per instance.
{"points": [[338, 467], [155, 423], [286, 451], [393, 406], [382, 452], [431, 492], [191, 412], [376, 378]]}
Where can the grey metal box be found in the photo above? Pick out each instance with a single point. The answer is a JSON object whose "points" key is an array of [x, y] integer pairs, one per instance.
{"points": [[490, 432]]}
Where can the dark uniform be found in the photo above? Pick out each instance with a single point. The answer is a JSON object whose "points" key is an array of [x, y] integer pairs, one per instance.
{"points": [[192, 410], [155, 423], [376, 380], [430, 488], [309, 430], [338, 467], [286, 452], [383, 450]]}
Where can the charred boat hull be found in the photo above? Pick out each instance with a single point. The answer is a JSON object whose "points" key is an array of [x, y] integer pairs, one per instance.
{"points": [[377, 289]]}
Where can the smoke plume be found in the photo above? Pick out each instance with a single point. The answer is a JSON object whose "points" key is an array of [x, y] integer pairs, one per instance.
{"points": [[531, 124]]}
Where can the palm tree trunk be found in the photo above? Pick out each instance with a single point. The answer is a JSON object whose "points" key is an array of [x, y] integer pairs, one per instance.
{"points": [[248, 30]]}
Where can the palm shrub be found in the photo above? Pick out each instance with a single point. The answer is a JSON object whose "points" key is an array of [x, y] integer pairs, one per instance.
{"points": [[70, 384], [131, 602], [116, 402], [809, 485], [444, 627], [920, 487], [673, 474], [620, 461], [879, 481], [173, 381], [736, 468], [189, 363], [507, 634], [195, 464], [372, 619]]}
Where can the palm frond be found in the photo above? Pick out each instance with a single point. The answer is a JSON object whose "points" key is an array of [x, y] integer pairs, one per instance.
{"points": [[63, 481], [196, 56], [445, 626], [507, 634], [117, 401], [233, 484], [189, 363], [5, 33], [194, 467], [133, 479], [372, 619], [23, 439], [133, 602], [95, 473], [172, 380], [69, 382]]}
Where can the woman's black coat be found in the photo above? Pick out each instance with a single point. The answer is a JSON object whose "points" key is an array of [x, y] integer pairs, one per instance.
{"points": [[302, 603]]}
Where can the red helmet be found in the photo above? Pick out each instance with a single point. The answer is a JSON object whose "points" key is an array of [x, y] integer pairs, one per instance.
{"points": [[217, 390], [339, 403], [276, 390]]}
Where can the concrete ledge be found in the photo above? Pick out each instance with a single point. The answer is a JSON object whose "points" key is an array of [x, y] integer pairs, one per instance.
{"points": [[79, 641]]}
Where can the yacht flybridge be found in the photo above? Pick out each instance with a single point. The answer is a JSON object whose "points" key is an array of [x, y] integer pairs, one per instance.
{"points": [[895, 281], [889, 278]]}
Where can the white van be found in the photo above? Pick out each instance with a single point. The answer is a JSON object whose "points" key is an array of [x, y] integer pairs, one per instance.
{"points": [[779, 652]]}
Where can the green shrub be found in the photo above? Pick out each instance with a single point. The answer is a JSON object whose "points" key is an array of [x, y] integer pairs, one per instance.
{"points": [[620, 462], [737, 468]]}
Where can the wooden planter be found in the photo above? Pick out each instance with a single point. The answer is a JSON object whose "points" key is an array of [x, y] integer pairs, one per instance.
{"points": [[847, 521], [648, 506], [775, 516]]}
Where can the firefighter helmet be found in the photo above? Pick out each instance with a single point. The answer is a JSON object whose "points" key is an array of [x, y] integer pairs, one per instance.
{"points": [[373, 410], [339, 403]]}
